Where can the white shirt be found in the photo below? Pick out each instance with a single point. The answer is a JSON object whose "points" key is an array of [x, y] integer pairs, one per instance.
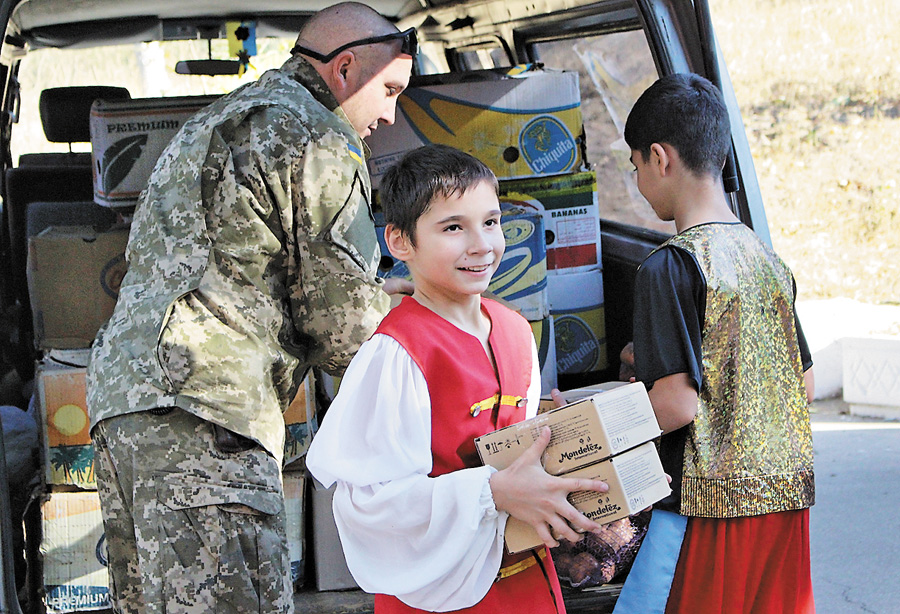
{"points": [[435, 543]]}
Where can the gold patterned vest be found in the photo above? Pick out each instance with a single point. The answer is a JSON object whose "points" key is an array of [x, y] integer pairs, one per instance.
{"points": [[749, 449]]}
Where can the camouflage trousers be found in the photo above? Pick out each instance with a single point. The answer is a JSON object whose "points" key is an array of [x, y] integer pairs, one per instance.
{"points": [[189, 529]]}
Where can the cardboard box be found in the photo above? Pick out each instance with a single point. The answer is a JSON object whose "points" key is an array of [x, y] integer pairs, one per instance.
{"points": [[300, 420], [127, 138], [520, 126], [521, 277], [73, 548], [575, 394], [568, 204], [66, 440], [332, 573], [74, 274], [636, 481], [294, 500], [579, 320], [585, 432]]}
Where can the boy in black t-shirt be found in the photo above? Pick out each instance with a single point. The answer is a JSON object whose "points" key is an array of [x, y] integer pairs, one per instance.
{"points": [[717, 343]]}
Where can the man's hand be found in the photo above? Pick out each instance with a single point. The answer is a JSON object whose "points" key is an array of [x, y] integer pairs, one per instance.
{"points": [[398, 285], [527, 492]]}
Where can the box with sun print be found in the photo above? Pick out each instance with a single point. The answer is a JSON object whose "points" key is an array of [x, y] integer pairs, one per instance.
{"points": [[68, 453]]}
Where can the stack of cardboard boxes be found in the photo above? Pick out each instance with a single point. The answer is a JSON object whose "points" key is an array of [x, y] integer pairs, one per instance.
{"points": [[606, 435], [74, 278], [74, 274]]}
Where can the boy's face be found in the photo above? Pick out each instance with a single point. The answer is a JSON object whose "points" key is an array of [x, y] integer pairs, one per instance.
{"points": [[459, 244]]}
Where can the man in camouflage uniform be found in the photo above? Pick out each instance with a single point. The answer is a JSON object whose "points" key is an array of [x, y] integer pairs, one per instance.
{"points": [[252, 257]]}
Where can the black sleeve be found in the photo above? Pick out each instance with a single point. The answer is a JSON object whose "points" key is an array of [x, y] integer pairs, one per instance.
{"points": [[805, 355], [669, 307]]}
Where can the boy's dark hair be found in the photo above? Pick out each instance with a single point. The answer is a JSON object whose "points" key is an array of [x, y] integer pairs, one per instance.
{"points": [[687, 112], [410, 186]]}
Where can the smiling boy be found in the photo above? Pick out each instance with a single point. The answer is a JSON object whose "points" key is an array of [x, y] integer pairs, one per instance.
{"points": [[421, 521]]}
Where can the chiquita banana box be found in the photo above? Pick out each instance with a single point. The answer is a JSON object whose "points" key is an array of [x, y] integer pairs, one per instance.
{"points": [[571, 214], [526, 124], [521, 277], [546, 347], [579, 320]]}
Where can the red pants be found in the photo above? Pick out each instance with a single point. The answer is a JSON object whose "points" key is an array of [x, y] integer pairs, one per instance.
{"points": [[755, 565], [526, 592]]}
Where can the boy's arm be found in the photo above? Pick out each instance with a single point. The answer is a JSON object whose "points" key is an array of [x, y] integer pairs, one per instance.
{"points": [[674, 401], [809, 380], [670, 304]]}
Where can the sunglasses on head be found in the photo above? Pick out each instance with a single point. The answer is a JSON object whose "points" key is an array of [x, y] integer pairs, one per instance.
{"points": [[409, 45]]}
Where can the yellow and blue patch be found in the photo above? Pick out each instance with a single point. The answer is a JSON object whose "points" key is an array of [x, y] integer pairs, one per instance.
{"points": [[355, 152]]}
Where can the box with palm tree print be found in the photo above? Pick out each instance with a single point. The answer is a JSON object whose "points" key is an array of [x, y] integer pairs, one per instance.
{"points": [[68, 454]]}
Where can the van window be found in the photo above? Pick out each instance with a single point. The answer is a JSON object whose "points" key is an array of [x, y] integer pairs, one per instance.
{"points": [[480, 56], [146, 69], [614, 69]]}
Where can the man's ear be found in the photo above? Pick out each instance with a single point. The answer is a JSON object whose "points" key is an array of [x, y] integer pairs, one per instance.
{"points": [[343, 70], [398, 243]]}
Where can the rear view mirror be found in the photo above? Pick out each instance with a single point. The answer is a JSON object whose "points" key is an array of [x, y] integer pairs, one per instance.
{"points": [[208, 67]]}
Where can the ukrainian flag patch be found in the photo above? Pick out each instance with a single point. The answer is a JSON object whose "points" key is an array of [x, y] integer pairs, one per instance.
{"points": [[355, 152]]}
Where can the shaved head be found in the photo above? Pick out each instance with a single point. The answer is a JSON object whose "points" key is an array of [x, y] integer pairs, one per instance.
{"points": [[365, 77], [342, 23]]}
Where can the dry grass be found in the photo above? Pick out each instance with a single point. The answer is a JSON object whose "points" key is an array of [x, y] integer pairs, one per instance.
{"points": [[819, 89]]}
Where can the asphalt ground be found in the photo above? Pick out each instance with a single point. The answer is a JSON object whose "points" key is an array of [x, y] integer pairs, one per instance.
{"points": [[855, 524]]}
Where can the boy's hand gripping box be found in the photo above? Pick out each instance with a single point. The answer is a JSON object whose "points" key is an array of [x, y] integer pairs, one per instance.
{"points": [[608, 436], [636, 480]]}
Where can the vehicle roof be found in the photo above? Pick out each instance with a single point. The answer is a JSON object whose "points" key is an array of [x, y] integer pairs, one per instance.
{"points": [[76, 23], [81, 23]]}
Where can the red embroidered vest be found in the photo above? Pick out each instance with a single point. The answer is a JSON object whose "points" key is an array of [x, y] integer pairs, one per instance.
{"points": [[467, 400]]}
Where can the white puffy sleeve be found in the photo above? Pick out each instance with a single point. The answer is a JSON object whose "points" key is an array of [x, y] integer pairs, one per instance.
{"points": [[435, 543]]}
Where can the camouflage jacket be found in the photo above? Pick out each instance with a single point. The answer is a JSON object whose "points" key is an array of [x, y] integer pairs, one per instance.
{"points": [[252, 257]]}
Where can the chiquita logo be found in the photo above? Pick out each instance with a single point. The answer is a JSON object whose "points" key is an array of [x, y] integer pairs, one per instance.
{"points": [[576, 345], [547, 145]]}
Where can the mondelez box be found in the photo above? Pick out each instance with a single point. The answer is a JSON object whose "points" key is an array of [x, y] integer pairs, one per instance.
{"points": [[584, 432], [636, 480], [607, 435]]}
